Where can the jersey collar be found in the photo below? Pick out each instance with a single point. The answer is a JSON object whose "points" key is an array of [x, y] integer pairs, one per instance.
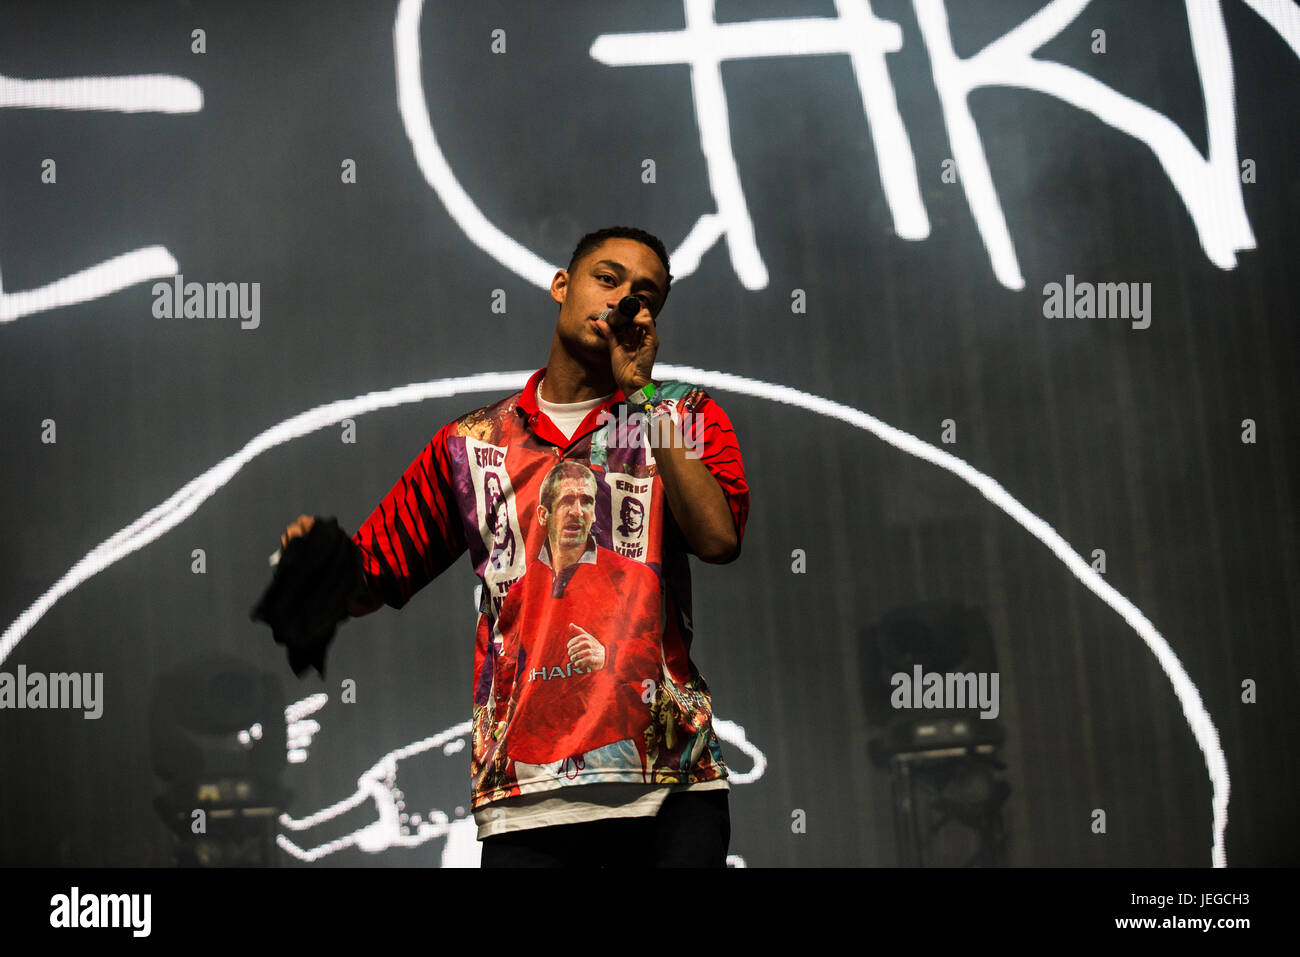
{"points": [[544, 427]]}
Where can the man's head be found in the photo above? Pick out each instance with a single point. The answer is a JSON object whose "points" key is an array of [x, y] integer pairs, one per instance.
{"points": [[631, 514], [606, 266], [566, 505], [496, 500], [593, 241]]}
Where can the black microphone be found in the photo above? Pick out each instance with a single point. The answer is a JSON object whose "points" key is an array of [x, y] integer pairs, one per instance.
{"points": [[627, 310]]}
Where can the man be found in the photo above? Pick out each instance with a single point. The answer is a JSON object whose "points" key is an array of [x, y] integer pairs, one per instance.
{"points": [[649, 784]]}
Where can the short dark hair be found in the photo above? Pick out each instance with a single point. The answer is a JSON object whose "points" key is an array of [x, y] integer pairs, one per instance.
{"points": [[590, 241], [565, 469]]}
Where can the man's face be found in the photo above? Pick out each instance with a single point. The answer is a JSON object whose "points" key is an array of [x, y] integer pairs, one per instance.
{"points": [[614, 269], [631, 513], [500, 524], [569, 521]]}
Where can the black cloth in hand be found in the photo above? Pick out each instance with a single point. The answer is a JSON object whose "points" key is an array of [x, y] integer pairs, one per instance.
{"points": [[318, 577]]}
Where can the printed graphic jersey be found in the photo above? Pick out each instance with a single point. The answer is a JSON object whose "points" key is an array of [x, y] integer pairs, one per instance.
{"points": [[582, 670]]}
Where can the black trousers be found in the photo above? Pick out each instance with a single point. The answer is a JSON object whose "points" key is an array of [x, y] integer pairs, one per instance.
{"points": [[692, 829]]}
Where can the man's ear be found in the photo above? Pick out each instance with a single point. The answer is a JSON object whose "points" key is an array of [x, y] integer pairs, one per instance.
{"points": [[655, 314], [560, 286]]}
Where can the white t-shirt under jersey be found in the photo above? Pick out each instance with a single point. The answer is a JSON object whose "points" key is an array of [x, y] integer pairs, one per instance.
{"points": [[567, 416]]}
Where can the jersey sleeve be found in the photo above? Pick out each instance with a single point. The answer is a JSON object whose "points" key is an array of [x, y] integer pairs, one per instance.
{"points": [[415, 533], [716, 445]]}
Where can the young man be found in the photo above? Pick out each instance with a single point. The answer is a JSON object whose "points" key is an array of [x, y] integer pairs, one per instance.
{"points": [[593, 738]]}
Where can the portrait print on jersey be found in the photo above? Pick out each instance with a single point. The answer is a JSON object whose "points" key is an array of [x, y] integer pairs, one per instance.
{"points": [[580, 634]]}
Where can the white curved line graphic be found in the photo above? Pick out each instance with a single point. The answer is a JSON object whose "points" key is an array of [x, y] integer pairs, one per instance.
{"points": [[735, 736], [183, 503], [152, 93], [156, 93], [166, 516], [102, 279], [437, 171], [386, 831], [478, 229]]}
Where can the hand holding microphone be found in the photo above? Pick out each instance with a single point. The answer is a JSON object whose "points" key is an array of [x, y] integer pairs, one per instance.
{"points": [[632, 344]]}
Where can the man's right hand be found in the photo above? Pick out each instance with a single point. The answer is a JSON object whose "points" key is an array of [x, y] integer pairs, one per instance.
{"points": [[300, 527], [585, 649]]}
